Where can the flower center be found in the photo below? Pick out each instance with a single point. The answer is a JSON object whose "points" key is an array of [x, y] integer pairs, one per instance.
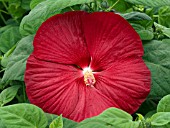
{"points": [[89, 79]]}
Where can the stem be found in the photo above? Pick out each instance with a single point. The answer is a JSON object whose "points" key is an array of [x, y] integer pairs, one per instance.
{"points": [[90, 7], [2, 105], [11, 50], [156, 16], [23, 89], [2, 70], [111, 7], [3, 19], [18, 98], [4, 11], [72, 9], [95, 5], [5, 5]]}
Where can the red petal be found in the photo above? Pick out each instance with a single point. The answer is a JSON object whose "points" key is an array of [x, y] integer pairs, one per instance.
{"points": [[109, 37], [126, 82], [60, 89], [55, 85], [61, 39]]}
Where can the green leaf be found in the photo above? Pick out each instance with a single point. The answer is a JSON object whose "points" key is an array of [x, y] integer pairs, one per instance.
{"points": [[50, 118], [17, 62], [159, 27], [4, 28], [143, 33], [111, 117], [146, 34], [164, 104], [150, 113], [57, 123], [8, 94], [15, 8], [166, 32], [35, 3], [9, 38], [150, 104], [157, 56], [2, 84], [121, 5], [5, 58], [69, 123], [2, 125], [16, 3], [151, 3], [43, 11], [136, 16], [164, 16], [66, 122], [163, 29], [23, 116], [25, 4], [160, 119], [143, 122]]}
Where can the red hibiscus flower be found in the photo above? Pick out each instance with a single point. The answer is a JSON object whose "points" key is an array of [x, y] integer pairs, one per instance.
{"points": [[85, 63]]}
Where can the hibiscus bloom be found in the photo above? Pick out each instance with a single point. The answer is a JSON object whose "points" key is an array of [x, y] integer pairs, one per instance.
{"points": [[84, 63]]}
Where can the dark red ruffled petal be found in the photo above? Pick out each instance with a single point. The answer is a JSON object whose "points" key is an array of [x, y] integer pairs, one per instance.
{"points": [[126, 82], [55, 83], [109, 37], [61, 39], [60, 89]]}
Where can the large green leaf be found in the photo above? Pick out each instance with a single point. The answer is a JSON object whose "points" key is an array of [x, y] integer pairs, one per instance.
{"points": [[164, 16], [8, 94], [16, 65], [136, 16], [9, 38], [2, 125], [164, 104], [161, 119], [23, 116], [42, 11], [151, 3], [110, 118], [157, 56]]}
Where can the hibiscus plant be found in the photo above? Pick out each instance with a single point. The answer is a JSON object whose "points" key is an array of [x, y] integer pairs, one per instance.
{"points": [[84, 64]]}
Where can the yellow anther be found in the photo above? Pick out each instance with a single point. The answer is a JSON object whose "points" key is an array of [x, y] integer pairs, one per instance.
{"points": [[89, 78]]}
